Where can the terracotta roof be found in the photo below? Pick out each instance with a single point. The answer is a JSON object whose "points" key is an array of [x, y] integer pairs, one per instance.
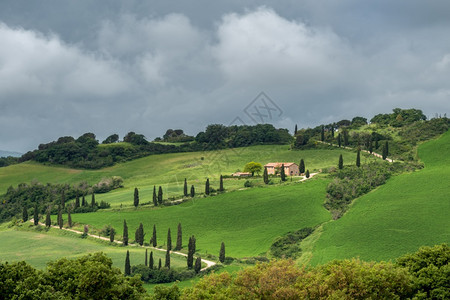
{"points": [[278, 164]]}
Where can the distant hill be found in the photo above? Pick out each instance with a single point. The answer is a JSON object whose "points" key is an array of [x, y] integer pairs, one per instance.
{"points": [[10, 153]]}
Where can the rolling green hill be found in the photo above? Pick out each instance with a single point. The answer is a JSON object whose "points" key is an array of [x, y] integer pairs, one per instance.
{"points": [[409, 211]]}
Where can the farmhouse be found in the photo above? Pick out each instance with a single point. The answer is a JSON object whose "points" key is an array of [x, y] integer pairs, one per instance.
{"points": [[290, 169]]}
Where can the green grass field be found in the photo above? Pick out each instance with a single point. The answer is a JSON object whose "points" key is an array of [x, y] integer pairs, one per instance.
{"points": [[246, 221], [409, 211]]}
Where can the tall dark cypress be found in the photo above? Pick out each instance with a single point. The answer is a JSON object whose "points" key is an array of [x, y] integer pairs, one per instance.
{"points": [[154, 236], [221, 189], [167, 264], [127, 264], [36, 215], [125, 233], [339, 140], [139, 236], [48, 220], [185, 188], [83, 201], [169, 240], [307, 174], [192, 191], [283, 174], [341, 162], [371, 147], [190, 257], [77, 201], [159, 264], [151, 262], [63, 199], [222, 253], [345, 138], [385, 150], [160, 195], [24, 214], [332, 131], [301, 167], [207, 187], [322, 134], [155, 199], [146, 258], [93, 200], [179, 238], [358, 158], [136, 197], [112, 232], [295, 129], [60, 219], [69, 218], [265, 176], [198, 265]]}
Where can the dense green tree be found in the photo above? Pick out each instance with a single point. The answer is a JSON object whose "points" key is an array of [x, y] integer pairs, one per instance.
{"points": [[282, 173], [370, 147], [339, 140], [253, 167], [185, 188], [93, 204], [179, 238], [60, 218], [125, 233], [151, 261], [341, 162], [136, 197], [322, 133], [160, 195], [24, 214], [222, 253], [207, 186], [167, 263], [295, 130], [155, 199], [113, 138], [345, 132], [77, 201], [191, 252], [221, 189], [83, 201], [127, 264], [112, 232], [154, 243], [385, 152], [301, 167], [63, 199], [139, 235], [332, 131], [198, 265], [146, 258], [265, 176], [36, 215], [307, 174], [69, 218], [48, 220], [169, 240], [358, 158], [159, 264], [192, 191]]}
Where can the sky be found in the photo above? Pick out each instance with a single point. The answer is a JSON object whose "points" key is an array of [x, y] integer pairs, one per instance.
{"points": [[76, 66]]}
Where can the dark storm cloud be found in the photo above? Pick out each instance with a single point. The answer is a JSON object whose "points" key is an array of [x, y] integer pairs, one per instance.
{"points": [[76, 66]]}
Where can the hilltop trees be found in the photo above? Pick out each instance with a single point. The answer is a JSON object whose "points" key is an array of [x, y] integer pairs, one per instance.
{"points": [[136, 197], [125, 233], [253, 167], [179, 238], [322, 133], [222, 253]]}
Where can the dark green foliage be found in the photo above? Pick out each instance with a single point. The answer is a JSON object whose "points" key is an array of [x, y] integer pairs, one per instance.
{"points": [[69, 218], [341, 162], [191, 252], [24, 214], [358, 122], [307, 174], [153, 241], [160, 195], [207, 187], [198, 265], [302, 138], [295, 130], [370, 147], [222, 253], [36, 215], [179, 238], [339, 140], [113, 138], [167, 262], [265, 176], [161, 275], [159, 264], [83, 202], [146, 258], [358, 158], [139, 235], [287, 246], [169, 240], [430, 268], [136, 197], [192, 191], [322, 133], [155, 199], [7, 161], [301, 167], [93, 204], [176, 136], [60, 219], [125, 233], [63, 199], [112, 233], [221, 189], [399, 117], [346, 140], [127, 264], [185, 188], [48, 220], [385, 152], [282, 173], [151, 261], [77, 201]]}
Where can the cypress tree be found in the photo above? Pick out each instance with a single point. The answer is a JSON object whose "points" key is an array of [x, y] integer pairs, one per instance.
{"points": [[322, 134], [24, 214], [207, 187], [112, 232], [139, 236], [339, 140], [83, 202], [301, 168], [136, 197], [125, 233], [185, 188], [151, 262], [345, 138], [371, 147], [221, 189], [190, 257], [376, 144], [63, 199], [127, 264], [167, 264], [48, 220], [332, 131], [385, 150], [136, 236], [36, 215], [283, 174], [77, 201], [155, 199], [358, 158], [265, 176], [69, 218], [169, 240], [159, 264], [222, 253], [179, 238], [198, 265], [341, 162], [192, 191], [160, 195], [154, 236], [146, 258], [307, 174], [93, 200], [60, 219], [295, 129]]}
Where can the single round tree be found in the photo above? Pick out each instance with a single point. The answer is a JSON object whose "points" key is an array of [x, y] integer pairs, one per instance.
{"points": [[253, 167], [127, 264], [341, 162], [222, 253]]}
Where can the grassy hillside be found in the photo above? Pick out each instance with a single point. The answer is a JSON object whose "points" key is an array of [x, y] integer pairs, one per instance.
{"points": [[169, 170], [247, 221], [409, 211]]}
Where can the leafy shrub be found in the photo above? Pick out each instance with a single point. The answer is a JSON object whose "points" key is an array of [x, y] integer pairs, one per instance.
{"points": [[162, 275], [287, 245], [248, 183]]}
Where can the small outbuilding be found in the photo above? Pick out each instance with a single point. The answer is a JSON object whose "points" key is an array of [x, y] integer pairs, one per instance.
{"points": [[241, 174], [290, 169]]}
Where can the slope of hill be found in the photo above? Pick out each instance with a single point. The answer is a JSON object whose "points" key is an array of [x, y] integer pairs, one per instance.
{"points": [[409, 211]]}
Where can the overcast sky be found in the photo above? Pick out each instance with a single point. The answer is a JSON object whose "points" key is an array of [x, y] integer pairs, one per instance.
{"points": [[70, 67]]}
